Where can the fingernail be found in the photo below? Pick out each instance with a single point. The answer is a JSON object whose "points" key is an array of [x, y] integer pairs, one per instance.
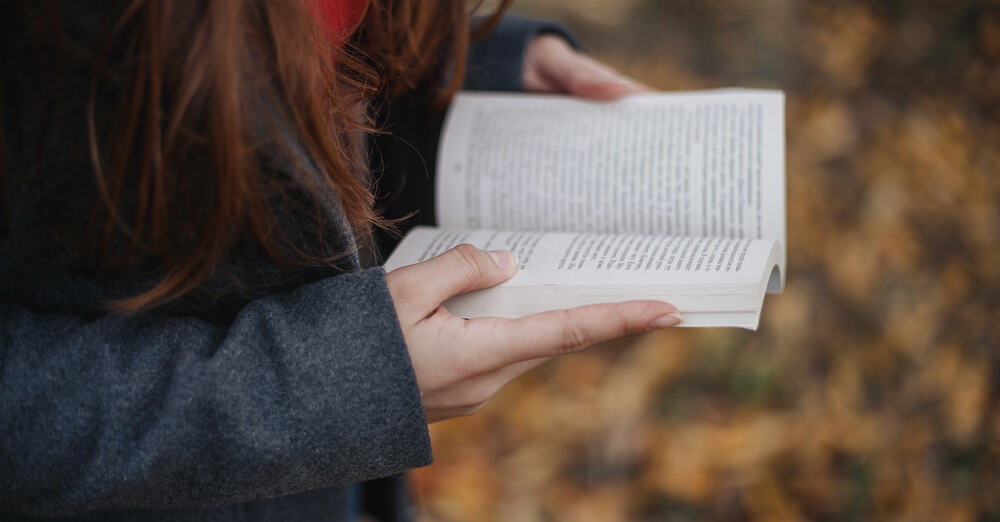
{"points": [[666, 321], [505, 259], [610, 90]]}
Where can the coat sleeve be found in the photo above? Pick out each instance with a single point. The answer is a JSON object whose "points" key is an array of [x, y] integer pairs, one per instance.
{"points": [[495, 63], [307, 389]]}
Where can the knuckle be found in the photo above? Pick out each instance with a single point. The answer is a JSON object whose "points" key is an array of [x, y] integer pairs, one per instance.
{"points": [[472, 266], [472, 360], [575, 336], [468, 363], [405, 291], [623, 325]]}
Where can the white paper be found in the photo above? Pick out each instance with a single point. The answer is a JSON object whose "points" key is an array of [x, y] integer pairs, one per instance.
{"points": [[693, 164], [576, 258], [712, 281]]}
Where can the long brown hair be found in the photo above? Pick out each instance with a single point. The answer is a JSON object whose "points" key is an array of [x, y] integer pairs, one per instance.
{"points": [[178, 175]]}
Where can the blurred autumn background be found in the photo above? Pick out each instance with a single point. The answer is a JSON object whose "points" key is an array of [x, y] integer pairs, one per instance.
{"points": [[871, 390]]}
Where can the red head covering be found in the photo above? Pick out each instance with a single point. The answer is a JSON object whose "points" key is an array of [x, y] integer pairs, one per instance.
{"points": [[339, 18]]}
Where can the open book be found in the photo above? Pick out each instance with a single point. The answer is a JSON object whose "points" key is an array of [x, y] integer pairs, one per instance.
{"points": [[675, 196]]}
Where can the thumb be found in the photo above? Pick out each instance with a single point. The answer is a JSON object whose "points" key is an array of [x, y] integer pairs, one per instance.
{"points": [[424, 286]]}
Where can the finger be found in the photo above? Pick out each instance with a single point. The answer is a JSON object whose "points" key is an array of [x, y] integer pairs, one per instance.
{"points": [[600, 90], [556, 67], [594, 80], [439, 414], [475, 393], [479, 388], [422, 287], [609, 90], [503, 376], [564, 331]]}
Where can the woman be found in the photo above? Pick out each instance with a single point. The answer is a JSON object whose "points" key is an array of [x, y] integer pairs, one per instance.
{"points": [[188, 332]]}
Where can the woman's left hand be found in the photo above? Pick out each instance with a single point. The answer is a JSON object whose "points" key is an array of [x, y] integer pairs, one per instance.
{"points": [[551, 65]]}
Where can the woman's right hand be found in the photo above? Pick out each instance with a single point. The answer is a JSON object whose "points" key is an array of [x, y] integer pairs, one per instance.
{"points": [[460, 364]]}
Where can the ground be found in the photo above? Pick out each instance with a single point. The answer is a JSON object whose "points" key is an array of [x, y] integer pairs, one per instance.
{"points": [[871, 390]]}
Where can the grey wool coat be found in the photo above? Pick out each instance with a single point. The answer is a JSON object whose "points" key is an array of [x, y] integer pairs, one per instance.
{"points": [[274, 402]]}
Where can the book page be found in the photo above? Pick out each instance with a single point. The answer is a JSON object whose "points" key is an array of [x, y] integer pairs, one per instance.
{"points": [[705, 164], [711, 281], [583, 258]]}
